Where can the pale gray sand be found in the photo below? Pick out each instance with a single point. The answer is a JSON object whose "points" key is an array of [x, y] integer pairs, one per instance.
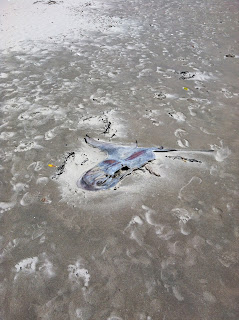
{"points": [[156, 247]]}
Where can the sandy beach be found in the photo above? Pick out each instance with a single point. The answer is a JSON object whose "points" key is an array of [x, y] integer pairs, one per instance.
{"points": [[163, 244]]}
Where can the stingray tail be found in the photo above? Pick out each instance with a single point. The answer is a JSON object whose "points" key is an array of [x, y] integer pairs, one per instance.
{"points": [[161, 149]]}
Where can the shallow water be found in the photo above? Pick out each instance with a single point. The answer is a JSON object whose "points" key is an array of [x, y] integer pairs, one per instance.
{"points": [[154, 247]]}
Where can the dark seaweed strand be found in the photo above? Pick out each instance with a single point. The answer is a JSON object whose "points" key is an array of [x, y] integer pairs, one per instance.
{"points": [[107, 128], [61, 168], [185, 159]]}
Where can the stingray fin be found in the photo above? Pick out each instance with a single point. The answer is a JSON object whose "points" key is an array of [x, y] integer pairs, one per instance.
{"points": [[104, 146]]}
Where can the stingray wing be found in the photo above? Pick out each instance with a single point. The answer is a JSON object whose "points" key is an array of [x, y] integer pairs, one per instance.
{"points": [[113, 150]]}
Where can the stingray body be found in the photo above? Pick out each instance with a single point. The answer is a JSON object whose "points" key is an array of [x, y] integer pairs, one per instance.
{"points": [[121, 161]]}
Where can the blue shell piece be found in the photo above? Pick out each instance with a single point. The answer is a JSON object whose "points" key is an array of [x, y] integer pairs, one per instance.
{"points": [[121, 161]]}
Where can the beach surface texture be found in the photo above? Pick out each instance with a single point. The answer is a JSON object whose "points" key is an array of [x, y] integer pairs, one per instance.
{"points": [[160, 244]]}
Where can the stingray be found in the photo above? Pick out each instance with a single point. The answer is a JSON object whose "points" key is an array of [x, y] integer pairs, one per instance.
{"points": [[121, 161]]}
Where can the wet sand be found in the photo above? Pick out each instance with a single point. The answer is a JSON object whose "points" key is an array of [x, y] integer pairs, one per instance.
{"points": [[155, 247]]}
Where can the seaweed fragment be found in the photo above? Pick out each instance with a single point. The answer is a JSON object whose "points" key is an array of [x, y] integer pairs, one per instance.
{"points": [[185, 75], [230, 55], [107, 128], [61, 168], [184, 159]]}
